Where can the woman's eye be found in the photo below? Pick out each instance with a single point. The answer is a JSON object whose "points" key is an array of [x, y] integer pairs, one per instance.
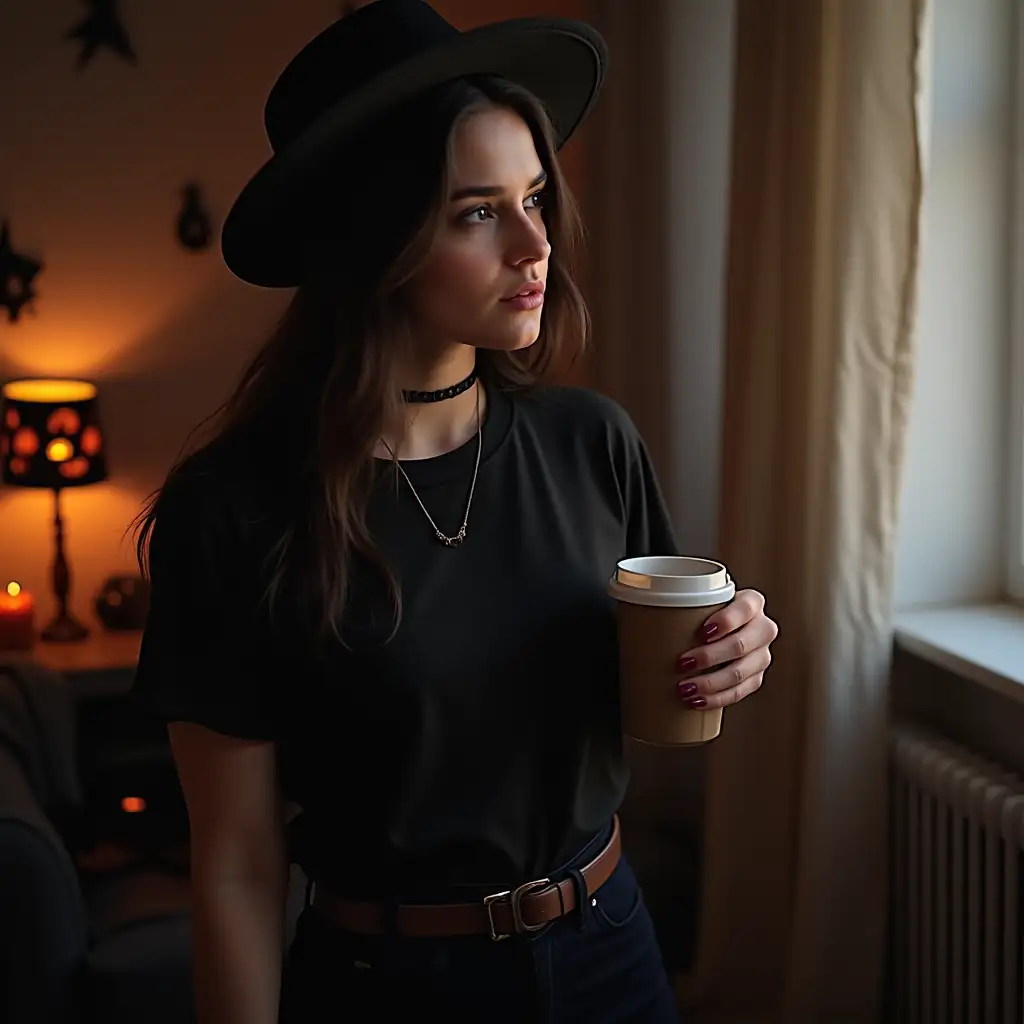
{"points": [[477, 215], [481, 214]]}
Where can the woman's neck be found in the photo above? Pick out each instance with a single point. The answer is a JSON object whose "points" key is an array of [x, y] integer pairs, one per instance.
{"points": [[433, 428]]}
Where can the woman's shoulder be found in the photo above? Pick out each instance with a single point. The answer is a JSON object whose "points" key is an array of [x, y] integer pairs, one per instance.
{"points": [[218, 489], [581, 410]]}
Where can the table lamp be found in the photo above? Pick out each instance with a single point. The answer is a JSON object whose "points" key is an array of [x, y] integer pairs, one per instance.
{"points": [[50, 437]]}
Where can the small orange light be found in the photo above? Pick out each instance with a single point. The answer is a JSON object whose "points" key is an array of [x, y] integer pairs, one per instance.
{"points": [[14, 589], [91, 440], [75, 469], [63, 421], [132, 804], [59, 450], [25, 442]]}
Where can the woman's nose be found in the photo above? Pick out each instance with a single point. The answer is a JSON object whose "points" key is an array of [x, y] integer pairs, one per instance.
{"points": [[530, 245]]}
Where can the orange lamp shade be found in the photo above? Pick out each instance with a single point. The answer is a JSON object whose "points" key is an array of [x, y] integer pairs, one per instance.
{"points": [[50, 434], [17, 618]]}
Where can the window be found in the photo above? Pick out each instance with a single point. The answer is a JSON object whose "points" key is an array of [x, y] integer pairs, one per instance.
{"points": [[955, 534], [1015, 473], [961, 540]]}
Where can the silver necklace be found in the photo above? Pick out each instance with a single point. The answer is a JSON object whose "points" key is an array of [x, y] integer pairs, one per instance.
{"points": [[451, 542]]}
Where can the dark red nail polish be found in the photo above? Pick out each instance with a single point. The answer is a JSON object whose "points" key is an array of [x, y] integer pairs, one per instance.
{"points": [[686, 664], [697, 703], [687, 689], [708, 632]]}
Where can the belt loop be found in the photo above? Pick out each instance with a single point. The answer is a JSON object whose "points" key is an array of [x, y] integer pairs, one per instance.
{"points": [[580, 884]]}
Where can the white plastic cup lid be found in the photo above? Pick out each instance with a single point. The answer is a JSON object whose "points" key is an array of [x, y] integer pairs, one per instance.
{"points": [[671, 581]]}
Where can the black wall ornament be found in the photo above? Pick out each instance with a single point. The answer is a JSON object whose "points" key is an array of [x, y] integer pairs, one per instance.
{"points": [[102, 26], [195, 232], [17, 276]]}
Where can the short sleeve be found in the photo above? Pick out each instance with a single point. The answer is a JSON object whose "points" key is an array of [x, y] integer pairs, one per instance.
{"points": [[649, 529], [207, 656]]}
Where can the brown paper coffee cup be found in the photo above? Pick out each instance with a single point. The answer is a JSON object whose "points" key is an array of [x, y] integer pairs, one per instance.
{"points": [[662, 602]]}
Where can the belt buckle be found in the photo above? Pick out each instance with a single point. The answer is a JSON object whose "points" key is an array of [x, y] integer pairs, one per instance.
{"points": [[515, 897]]}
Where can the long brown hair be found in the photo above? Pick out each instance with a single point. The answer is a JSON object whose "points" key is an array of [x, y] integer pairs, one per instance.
{"points": [[333, 358]]}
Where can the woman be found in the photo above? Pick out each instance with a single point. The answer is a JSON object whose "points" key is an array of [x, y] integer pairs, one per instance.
{"points": [[378, 593]]}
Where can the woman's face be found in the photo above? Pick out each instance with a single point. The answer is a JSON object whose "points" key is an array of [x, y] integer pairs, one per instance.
{"points": [[493, 244]]}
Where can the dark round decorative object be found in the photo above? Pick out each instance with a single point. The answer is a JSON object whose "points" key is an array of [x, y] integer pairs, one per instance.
{"points": [[123, 602]]}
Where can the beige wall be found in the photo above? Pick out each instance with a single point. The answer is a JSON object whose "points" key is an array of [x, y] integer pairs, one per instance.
{"points": [[91, 169]]}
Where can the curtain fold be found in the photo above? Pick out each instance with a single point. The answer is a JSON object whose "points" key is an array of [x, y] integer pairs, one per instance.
{"points": [[821, 293]]}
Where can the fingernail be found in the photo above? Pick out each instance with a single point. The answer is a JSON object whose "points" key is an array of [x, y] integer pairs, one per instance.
{"points": [[697, 703], [709, 631], [687, 689], [686, 664]]}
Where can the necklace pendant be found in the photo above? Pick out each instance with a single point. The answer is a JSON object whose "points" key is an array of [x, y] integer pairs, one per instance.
{"points": [[449, 542]]}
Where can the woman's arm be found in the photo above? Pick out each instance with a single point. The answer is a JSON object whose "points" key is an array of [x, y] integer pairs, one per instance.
{"points": [[239, 873]]}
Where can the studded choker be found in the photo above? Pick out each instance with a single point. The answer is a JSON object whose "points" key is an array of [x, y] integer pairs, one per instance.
{"points": [[443, 393]]}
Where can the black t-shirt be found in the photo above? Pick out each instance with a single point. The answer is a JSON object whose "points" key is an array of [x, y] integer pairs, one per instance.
{"points": [[480, 743]]}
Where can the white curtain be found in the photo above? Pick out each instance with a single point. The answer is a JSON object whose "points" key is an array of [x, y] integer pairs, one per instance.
{"points": [[825, 202]]}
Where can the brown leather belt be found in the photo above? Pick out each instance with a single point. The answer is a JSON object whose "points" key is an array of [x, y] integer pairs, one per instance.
{"points": [[527, 908]]}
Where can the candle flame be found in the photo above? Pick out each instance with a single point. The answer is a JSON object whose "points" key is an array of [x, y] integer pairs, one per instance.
{"points": [[14, 589]]}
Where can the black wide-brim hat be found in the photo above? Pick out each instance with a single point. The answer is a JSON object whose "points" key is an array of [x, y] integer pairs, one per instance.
{"points": [[358, 69]]}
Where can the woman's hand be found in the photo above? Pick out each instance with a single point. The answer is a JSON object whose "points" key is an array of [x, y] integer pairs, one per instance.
{"points": [[731, 662]]}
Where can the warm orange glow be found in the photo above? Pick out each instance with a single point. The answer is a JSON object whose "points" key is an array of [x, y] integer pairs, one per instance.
{"points": [[75, 469], [13, 419], [15, 601], [91, 441], [18, 466], [97, 518], [26, 442], [64, 421], [17, 619], [59, 450], [49, 390], [133, 804]]}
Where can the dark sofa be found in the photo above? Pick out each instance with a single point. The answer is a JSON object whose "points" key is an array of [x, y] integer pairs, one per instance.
{"points": [[90, 929]]}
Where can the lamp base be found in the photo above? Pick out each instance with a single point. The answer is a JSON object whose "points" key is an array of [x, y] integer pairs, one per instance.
{"points": [[63, 629]]}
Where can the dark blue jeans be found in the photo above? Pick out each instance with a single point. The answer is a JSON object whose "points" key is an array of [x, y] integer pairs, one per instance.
{"points": [[598, 965]]}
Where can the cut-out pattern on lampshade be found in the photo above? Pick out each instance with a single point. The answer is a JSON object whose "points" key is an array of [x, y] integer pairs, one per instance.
{"points": [[50, 435]]}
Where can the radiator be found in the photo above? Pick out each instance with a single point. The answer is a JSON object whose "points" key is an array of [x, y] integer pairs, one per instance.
{"points": [[957, 854]]}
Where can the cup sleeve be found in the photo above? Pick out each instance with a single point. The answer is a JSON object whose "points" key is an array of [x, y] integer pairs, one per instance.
{"points": [[207, 656]]}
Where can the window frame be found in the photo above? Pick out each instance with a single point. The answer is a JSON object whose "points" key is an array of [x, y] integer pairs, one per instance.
{"points": [[1014, 583]]}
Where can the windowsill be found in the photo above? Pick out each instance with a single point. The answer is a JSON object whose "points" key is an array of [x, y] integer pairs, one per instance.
{"points": [[983, 643]]}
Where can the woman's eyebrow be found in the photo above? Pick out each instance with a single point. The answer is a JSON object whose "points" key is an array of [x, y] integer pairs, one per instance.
{"points": [[491, 190]]}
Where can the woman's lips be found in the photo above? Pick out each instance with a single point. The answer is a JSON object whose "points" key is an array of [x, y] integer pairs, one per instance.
{"points": [[528, 300]]}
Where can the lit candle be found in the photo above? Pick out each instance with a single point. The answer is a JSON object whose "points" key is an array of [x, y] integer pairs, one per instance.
{"points": [[17, 618]]}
